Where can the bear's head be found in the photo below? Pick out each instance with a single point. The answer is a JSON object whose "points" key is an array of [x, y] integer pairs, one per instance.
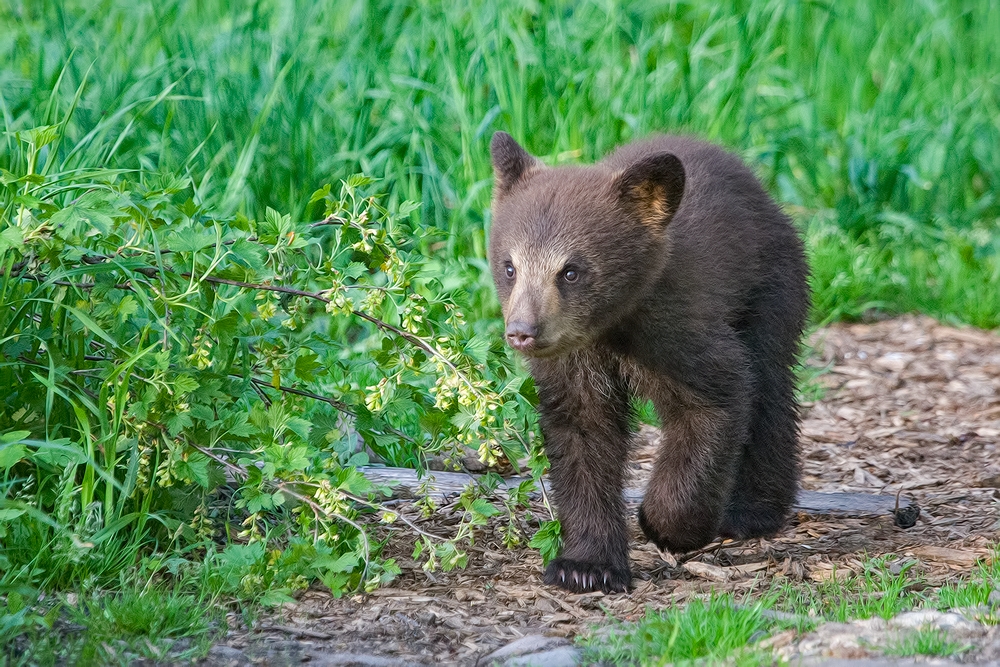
{"points": [[573, 249]]}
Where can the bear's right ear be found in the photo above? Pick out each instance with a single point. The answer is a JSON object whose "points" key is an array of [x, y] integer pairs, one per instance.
{"points": [[653, 187], [510, 162]]}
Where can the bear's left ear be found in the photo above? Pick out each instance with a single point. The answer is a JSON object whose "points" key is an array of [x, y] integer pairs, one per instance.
{"points": [[653, 188], [511, 163]]}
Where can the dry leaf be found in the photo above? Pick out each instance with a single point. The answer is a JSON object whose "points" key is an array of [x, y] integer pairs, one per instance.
{"points": [[957, 557]]}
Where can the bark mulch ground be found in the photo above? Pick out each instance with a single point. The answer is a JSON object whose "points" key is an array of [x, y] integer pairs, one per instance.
{"points": [[905, 404]]}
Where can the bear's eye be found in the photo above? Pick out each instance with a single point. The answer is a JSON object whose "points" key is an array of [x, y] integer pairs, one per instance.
{"points": [[510, 270], [571, 275]]}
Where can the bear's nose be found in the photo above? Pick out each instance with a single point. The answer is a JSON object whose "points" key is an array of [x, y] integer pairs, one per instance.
{"points": [[521, 335]]}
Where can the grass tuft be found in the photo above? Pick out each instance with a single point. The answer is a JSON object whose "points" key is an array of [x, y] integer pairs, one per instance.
{"points": [[927, 642], [703, 629]]}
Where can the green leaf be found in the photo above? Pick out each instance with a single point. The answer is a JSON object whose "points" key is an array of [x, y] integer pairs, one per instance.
{"points": [[195, 468], [11, 237], [184, 384], [299, 427], [177, 422], [320, 194], [276, 597], [86, 320], [39, 136], [250, 256], [202, 412], [59, 453], [343, 563], [191, 240], [390, 312], [355, 181], [355, 483], [10, 514], [354, 270], [127, 307], [479, 348], [483, 507], [81, 220], [336, 582], [10, 455], [306, 366], [408, 207], [548, 540]]}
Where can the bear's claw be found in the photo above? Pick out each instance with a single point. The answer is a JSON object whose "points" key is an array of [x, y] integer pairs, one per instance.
{"points": [[582, 577]]}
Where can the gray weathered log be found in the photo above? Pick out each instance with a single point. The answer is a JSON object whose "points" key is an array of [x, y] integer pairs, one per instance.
{"points": [[405, 484]]}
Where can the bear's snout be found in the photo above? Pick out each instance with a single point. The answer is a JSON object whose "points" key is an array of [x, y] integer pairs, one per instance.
{"points": [[521, 336]]}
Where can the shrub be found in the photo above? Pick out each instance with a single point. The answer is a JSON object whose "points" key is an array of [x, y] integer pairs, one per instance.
{"points": [[170, 370]]}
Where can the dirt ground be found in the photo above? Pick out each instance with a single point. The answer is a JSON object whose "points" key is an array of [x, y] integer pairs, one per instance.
{"points": [[908, 404]]}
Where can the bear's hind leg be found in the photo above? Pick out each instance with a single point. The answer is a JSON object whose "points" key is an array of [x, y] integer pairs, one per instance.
{"points": [[767, 479]]}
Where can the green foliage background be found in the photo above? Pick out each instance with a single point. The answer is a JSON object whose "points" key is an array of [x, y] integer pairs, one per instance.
{"points": [[184, 350], [876, 123]]}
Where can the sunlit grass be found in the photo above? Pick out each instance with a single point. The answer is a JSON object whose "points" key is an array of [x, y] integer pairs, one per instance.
{"points": [[710, 630], [879, 119]]}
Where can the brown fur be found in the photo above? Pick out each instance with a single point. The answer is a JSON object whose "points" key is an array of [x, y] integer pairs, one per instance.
{"points": [[664, 271]]}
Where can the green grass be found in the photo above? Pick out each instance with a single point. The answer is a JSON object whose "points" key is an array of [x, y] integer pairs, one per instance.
{"points": [[120, 627], [926, 642], [876, 591], [709, 630], [975, 592], [723, 628], [876, 124]]}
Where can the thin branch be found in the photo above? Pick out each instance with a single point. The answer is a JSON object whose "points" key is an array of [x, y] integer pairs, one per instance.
{"points": [[337, 405], [385, 326], [318, 510], [332, 219], [383, 508], [151, 272]]}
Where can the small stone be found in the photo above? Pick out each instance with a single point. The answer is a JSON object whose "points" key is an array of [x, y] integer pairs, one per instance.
{"points": [[897, 567], [453, 622], [957, 623], [564, 656], [319, 659], [779, 640], [993, 599], [917, 619], [527, 645], [227, 656], [929, 618]]}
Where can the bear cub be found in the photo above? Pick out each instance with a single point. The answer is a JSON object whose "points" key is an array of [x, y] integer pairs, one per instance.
{"points": [[666, 272]]}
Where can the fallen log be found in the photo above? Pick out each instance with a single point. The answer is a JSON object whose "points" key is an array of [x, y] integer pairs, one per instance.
{"points": [[405, 483]]}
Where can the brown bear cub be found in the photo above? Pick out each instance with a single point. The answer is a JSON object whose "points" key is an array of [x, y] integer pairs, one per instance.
{"points": [[664, 271]]}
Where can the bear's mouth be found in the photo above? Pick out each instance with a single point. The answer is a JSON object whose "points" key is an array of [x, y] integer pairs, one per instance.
{"points": [[544, 349]]}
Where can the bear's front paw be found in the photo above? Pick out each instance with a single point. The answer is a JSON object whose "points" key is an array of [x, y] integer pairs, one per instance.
{"points": [[582, 577]]}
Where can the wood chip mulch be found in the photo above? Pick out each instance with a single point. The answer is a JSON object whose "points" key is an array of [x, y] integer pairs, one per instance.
{"points": [[907, 404]]}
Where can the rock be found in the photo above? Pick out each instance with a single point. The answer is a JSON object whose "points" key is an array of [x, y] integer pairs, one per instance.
{"points": [[453, 622], [533, 647], [929, 618], [318, 659], [564, 656], [994, 598], [878, 662], [226, 656], [920, 618]]}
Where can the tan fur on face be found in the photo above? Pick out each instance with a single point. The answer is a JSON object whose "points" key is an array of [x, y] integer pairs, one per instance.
{"points": [[535, 299]]}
